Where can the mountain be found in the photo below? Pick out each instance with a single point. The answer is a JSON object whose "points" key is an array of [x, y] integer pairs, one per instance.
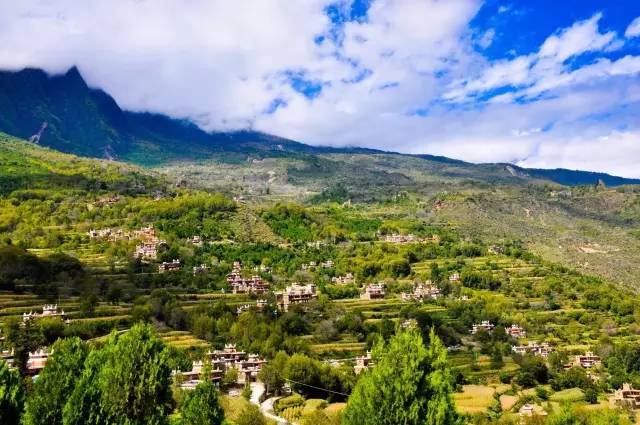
{"points": [[64, 113]]}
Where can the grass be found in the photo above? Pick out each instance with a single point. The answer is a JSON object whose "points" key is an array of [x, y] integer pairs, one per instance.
{"points": [[568, 396], [474, 398]]}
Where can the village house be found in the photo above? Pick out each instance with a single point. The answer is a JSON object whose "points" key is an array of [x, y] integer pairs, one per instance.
{"points": [[454, 277], [265, 269], [327, 264], [587, 361], [243, 308], [316, 244], [374, 291], [542, 350], [49, 310], [295, 294], [531, 410], [201, 269], [249, 368], [113, 235], [627, 397], [107, 200], [409, 324], [496, 250], [261, 304], [363, 363], [401, 239], [254, 285], [484, 325], [228, 354], [7, 356], [240, 285], [146, 251], [195, 376], [422, 292], [196, 241], [146, 233], [347, 279], [37, 361], [515, 331], [173, 266]]}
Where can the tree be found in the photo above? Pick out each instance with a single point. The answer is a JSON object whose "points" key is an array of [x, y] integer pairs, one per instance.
{"points": [[496, 358], [56, 383], [201, 406], [11, 395], [127, 381], [251, 415], [272, 373], [409, 384]]}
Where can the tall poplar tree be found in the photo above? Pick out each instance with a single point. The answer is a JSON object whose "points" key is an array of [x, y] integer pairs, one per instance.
{"points": [[56, 383], [11, 395], [409, 384]]}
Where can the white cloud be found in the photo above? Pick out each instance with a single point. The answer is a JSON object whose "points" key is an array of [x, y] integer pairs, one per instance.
{"points": [[487, 38], [633, 30], [406, 78]]}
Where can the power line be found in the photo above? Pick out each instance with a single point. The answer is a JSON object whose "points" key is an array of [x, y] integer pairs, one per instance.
{"points": [[317, 388]]}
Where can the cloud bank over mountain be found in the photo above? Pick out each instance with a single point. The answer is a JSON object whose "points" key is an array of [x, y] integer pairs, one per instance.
{"points": [[417, 76]]}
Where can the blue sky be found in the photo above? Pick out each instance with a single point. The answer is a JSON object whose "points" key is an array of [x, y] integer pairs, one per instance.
{"points": [[540, 83]]}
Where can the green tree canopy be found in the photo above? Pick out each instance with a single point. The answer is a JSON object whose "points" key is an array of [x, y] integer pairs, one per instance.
{"points": [[409, 384], [251, 415], [201, 406], [56, 383], [11, 395], [125, 382]]}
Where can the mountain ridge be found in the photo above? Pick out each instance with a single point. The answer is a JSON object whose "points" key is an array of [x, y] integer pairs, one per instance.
{"points": [[63, 112]]}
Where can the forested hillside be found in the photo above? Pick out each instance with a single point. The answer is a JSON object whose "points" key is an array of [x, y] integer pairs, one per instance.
{"points": [[461, 274]]}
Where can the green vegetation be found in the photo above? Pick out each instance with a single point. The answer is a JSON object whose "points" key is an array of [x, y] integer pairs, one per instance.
{"points": [[410, 384], [480, 233]]}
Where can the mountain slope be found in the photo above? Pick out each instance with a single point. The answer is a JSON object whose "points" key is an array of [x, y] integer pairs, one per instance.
{"points": [[62, 112]]}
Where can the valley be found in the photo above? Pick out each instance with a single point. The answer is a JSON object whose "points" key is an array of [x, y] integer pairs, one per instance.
{"points": [[519, 278]]}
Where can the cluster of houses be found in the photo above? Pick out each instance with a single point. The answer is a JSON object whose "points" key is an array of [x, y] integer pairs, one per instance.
{"points": [[313, 265], [112, 235], [410, 238], [422, 292], [374, 291], [49, 310], [295, 294], [537, 349], [347, 279], [148, 248], [220, 362], [240, 285], [396, 238]]}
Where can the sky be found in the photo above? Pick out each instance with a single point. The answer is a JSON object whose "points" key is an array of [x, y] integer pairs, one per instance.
{"points": [[539, 83]]}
